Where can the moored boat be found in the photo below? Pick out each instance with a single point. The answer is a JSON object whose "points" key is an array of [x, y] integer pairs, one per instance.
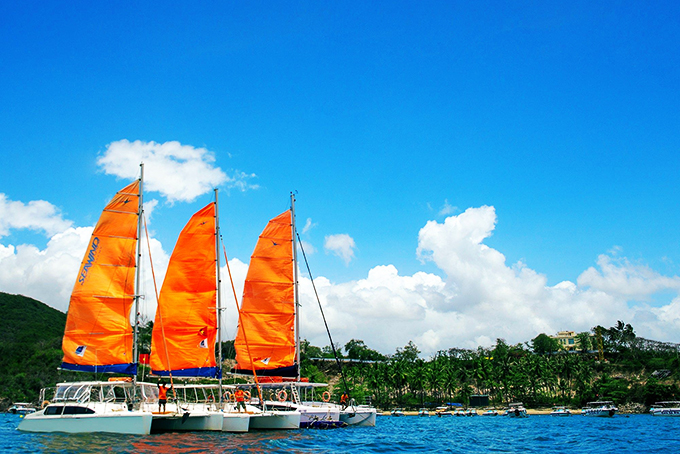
{"points": [[21, 408], [397, 412], [665, 408], [516, 410], [490, 412], [560, 411], [267, 342], [604, 408], [98, 336], [83, 407], [423, 412]]}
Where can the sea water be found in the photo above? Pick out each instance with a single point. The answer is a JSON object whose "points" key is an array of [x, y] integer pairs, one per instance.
{"points": [[481, 434]]}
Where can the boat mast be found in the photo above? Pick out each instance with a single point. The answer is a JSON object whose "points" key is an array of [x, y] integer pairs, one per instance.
{"points": [[138, 264], [219, 298], [295, 278]]}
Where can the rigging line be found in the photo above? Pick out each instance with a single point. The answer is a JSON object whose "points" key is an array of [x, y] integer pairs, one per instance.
{"points": [[160, 313], [311, 278], [243, 330]]}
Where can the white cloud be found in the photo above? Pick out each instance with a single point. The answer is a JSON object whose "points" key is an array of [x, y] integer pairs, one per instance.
{"points": [[307, 247], [624, 279], [179, 172], [477, 298], [482, 298], [308, 226], [36, 215], [341, 245], [447, 209]]}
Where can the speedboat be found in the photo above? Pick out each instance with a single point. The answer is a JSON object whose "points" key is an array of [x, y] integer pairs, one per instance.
{"points": [[666, 408], [516, 410], [21, 408], [96, 406], [560, 411], [604, 408], [397, 412], [490, 412], [471, 412], [443, 411], [423, 412]]}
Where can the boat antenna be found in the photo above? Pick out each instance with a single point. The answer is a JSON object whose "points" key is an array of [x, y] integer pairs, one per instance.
{"points": [[318, 300]]}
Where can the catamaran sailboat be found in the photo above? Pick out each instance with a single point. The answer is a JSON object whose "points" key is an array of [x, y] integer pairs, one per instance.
{"points": [[98, 336], [186, 329], [268, 341]]}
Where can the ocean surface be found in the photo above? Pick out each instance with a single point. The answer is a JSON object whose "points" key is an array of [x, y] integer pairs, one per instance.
{"points": [[578, 434]]}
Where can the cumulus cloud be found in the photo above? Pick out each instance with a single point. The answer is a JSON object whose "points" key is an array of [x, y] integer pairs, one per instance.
{"points": [[179, 172], [37, 215], [341, 245], [481, 297], [476, 298]]}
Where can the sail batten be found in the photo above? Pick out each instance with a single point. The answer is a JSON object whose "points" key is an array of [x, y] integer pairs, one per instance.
{"points": [[185, 327], [268, 305], [107, 272]]}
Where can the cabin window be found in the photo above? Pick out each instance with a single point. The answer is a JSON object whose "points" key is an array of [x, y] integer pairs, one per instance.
{"points": [[54, 410], [73, 410]]}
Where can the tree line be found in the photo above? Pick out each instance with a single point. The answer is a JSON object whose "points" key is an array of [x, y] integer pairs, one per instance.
{"points": [[539, 373]]}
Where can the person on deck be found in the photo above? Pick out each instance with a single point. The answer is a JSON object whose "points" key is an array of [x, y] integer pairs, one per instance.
{"points": [[344, 400], [162, 396], [240, 397]]}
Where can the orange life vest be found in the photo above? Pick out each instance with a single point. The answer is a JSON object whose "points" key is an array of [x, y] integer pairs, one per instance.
{"points": [[162, 393], [239, 395]]}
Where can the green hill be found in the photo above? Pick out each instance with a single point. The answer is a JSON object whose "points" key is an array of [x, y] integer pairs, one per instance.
{"points": [[30, 347]]}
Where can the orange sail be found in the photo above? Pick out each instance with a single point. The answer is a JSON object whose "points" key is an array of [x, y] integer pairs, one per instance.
{"points": [[268, 306], [98, 335], [185, 328]]}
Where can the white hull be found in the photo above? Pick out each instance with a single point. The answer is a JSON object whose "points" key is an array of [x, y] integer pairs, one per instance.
{"points": [[235, 422], [284, 420], [360, 417], [665, 412], [136, 423], [309, 411], [173, 422], [600, 413]]}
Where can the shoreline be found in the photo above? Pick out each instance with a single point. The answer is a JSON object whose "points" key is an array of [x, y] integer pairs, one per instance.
{"points": [[530, 411]]}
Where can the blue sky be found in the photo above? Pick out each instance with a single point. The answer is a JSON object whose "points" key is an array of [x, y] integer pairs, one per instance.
{"points": [[383, 116]]}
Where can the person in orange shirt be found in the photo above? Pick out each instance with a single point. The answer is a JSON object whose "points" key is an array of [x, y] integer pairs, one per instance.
{"points": [[240, 400], [162, 396]]}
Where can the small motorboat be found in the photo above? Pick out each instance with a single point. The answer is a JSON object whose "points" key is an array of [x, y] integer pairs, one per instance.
{"points": [[490, 412], [604, 408], [21, 408], [516, 410], [666, 408], [560, 411], [423, 412], [397, 412]]}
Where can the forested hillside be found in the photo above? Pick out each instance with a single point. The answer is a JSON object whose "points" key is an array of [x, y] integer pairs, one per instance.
{"points": [[30, 347], [634, 372]]}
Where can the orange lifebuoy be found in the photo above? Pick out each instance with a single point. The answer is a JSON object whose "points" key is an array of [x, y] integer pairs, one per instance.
{"points": [[326, 396], [229, 396], [246, 394], [282, 395]]}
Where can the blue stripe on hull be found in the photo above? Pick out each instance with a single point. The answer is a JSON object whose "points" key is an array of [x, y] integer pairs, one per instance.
{"points": [[128, 369], [210, 372]]}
